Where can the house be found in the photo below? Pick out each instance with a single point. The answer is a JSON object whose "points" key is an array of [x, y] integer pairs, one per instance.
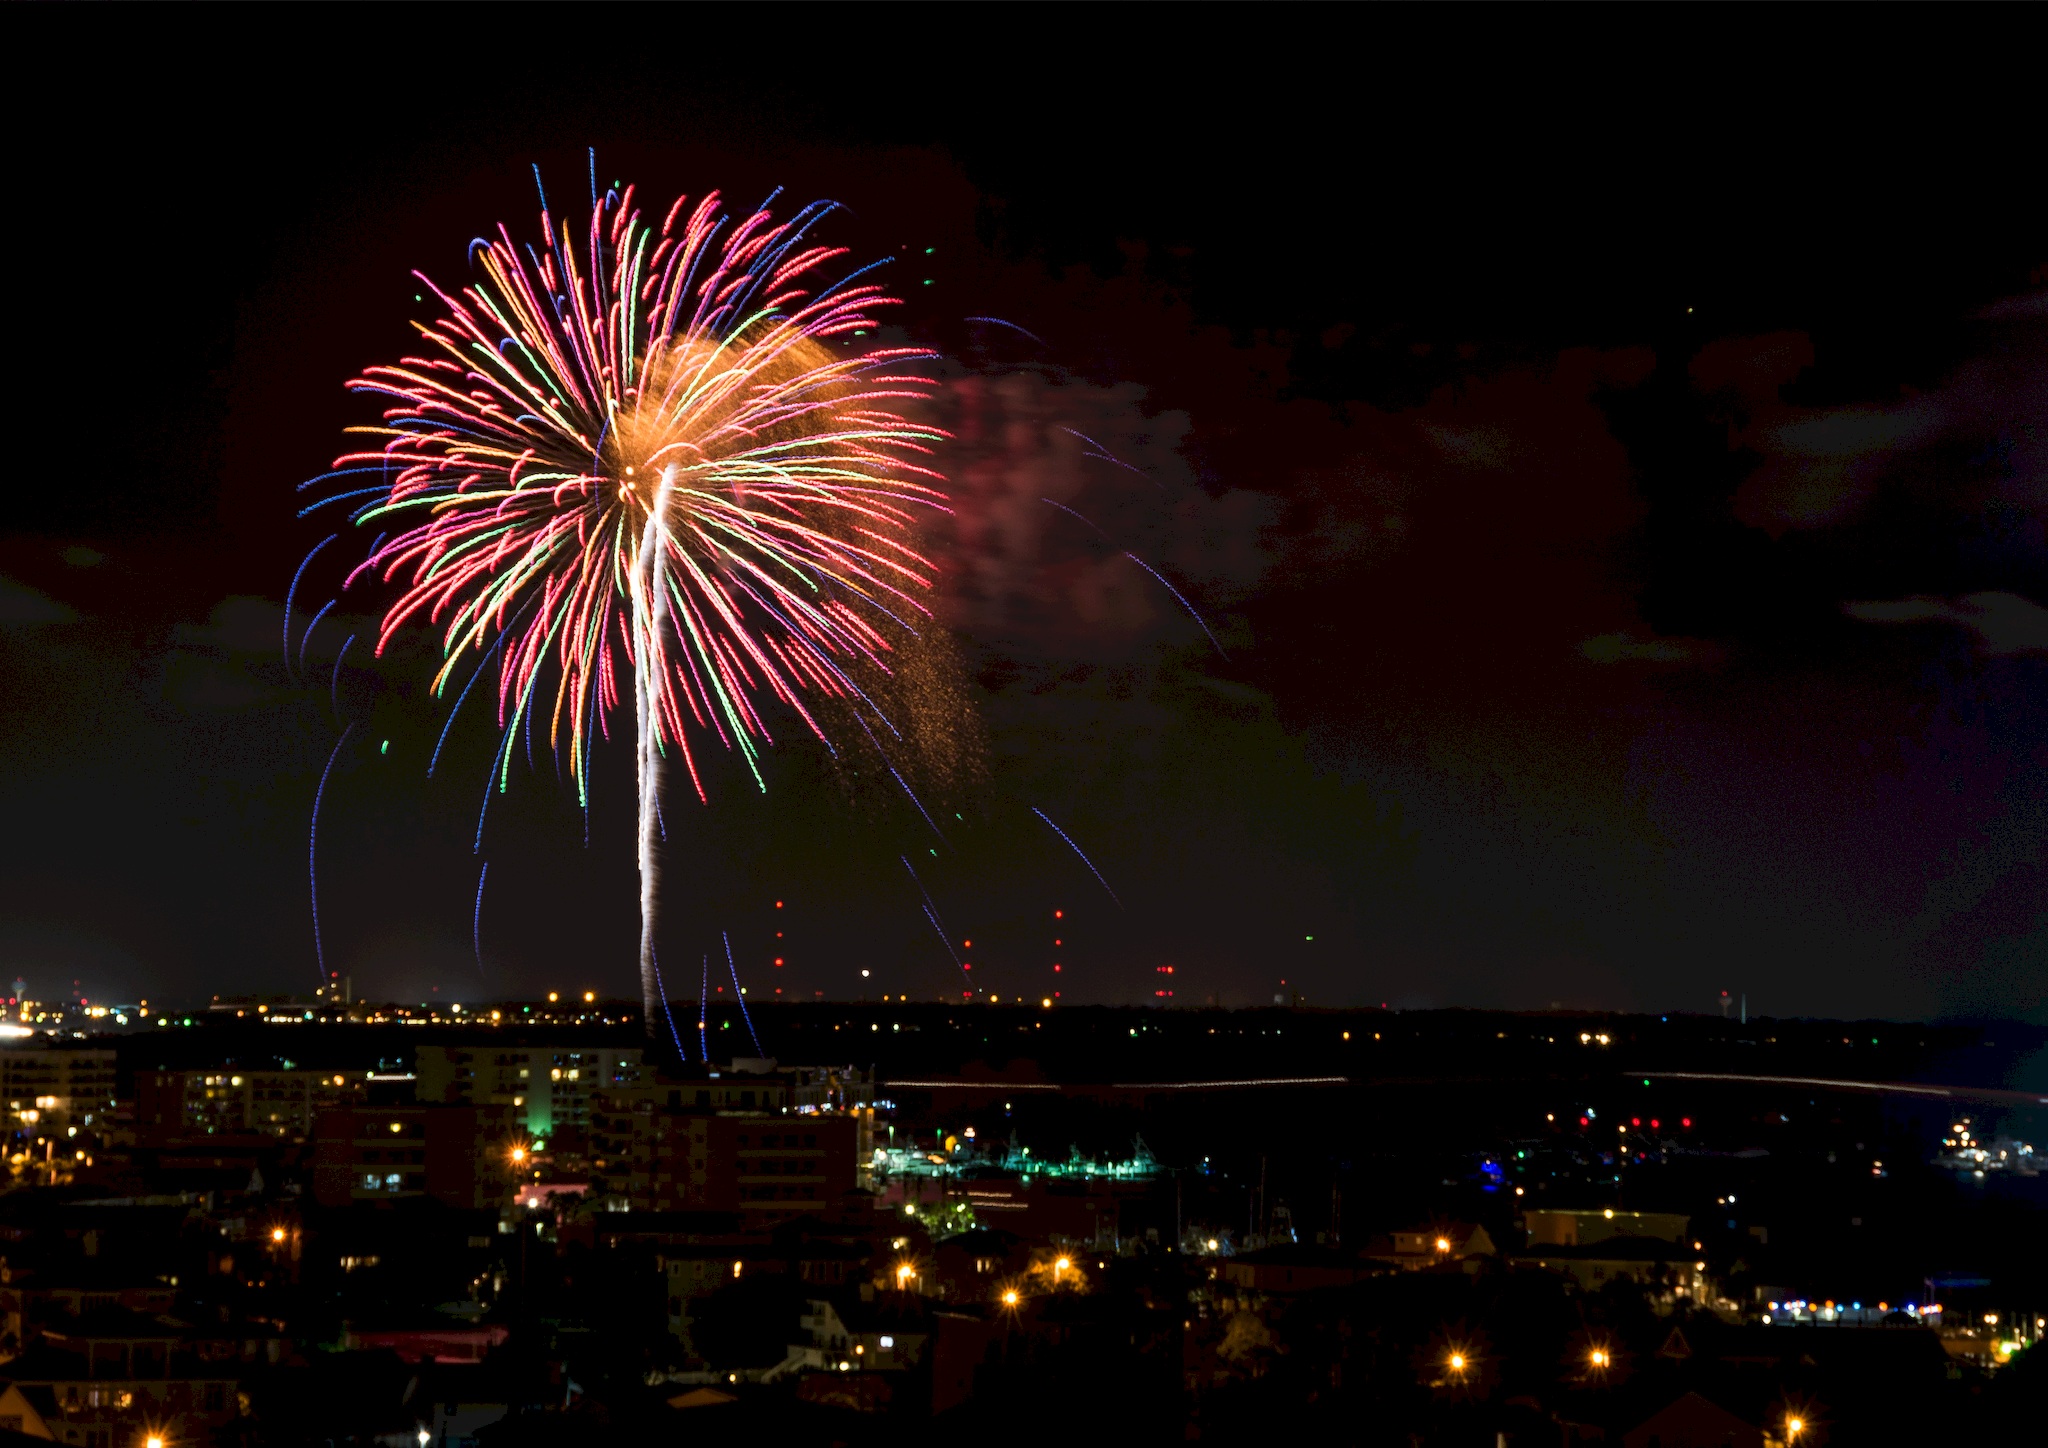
{"points": [[1693, 1422], [454, 1404], [1294, 1268], [106, 1396], [440, 1340], [1584, 1227], [864, 1331], [30, 1299], [19, 1415], [973, 1266], [1432, 1246], [1651, 1261]]}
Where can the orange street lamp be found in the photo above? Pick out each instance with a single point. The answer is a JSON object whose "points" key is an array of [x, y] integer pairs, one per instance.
{"points": [[1010, 1298], [1794, 1427]]}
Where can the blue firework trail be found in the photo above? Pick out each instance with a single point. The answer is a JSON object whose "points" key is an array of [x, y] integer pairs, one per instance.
{"points": [[334, 685], [1177, 594], [476, 923], [740, 995], [1103, 454], [704, 1009], [1078, 851], [291, 592], [931, 913], [667, 1014], [307, 637], [1193, 613], [999, 322], [1078, 517], [312, 853]]}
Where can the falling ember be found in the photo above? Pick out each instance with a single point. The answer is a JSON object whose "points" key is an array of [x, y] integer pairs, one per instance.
{"points": [[646, 462]]}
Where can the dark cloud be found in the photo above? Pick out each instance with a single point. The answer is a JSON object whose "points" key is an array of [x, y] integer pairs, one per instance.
{"points": [[20, 604], [1975, 438], [2004, 623], [1054, 480]]}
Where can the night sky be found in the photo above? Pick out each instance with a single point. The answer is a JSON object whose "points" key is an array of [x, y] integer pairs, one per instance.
{"points": [[1613, 467]]}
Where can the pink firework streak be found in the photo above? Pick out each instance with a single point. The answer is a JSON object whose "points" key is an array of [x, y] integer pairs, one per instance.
{"points": [[651, 462]]}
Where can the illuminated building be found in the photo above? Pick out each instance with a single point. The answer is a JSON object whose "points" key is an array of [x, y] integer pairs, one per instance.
{"points": [[863, 1332], [1295, 1267], [108, 1377], [1648, 1260], [750, 1138], [222, 1101], [1434, 1246], [971, 1266], [50, 1089], [548, 1088], [454, 1154], [1585, 1227]]}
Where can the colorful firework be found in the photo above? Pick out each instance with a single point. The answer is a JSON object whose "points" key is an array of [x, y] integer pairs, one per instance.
{"points": [[654, 449]]}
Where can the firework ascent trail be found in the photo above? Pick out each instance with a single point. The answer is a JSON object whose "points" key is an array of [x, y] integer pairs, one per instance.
{"points": [[655, 447]]}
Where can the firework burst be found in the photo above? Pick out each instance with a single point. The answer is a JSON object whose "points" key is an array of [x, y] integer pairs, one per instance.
{"points": [[652, 462]]}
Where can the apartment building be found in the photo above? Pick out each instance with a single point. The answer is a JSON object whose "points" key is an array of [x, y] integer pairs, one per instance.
{"points": [[548, 1088], [460, 1155], [732, 1142], [51, 1089], [221, 1102]]}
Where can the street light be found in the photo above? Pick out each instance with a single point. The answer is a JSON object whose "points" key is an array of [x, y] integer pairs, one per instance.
{"points": [[1010, 1297], [1794, 1427], [154, 1440], [1457, 1362], [1598, 1357]]}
